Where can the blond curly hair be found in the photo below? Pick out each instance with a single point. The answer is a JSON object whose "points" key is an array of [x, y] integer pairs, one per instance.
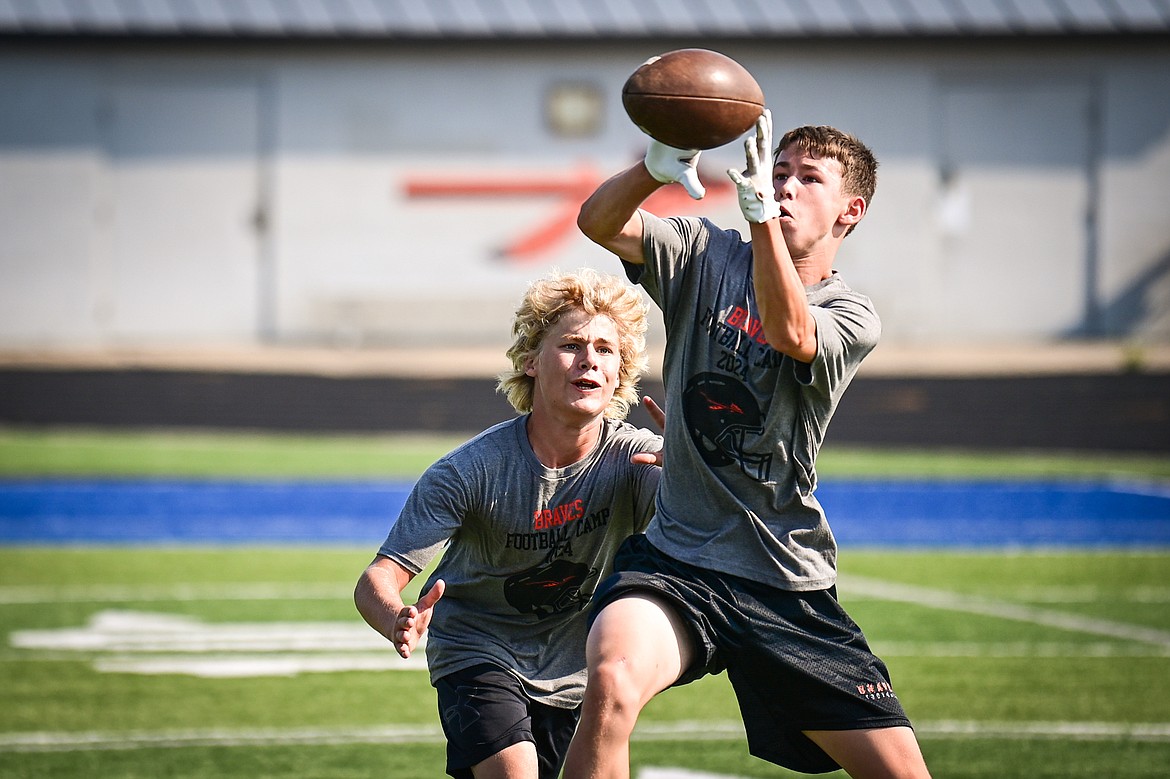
{"points": [[550, 298]]}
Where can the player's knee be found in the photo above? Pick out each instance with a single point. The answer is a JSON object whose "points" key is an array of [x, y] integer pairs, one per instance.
{"points": [[614, 691]]}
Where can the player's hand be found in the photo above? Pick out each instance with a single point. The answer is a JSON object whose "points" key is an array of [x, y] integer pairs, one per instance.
{"points": [[668, 165], [412, 621], [659, 417], [757, 193]]}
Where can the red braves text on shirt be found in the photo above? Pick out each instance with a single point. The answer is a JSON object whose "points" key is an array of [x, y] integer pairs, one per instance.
{"points": [[742, 318], [543, 519]]}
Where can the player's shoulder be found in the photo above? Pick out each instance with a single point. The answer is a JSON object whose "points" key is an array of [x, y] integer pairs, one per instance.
{"points": [[486, 444], [835, 290], [626, 435], [847, 312], [697, 230]]}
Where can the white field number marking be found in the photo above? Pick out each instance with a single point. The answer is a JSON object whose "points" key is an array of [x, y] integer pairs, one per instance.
{"points": [[432, 734], [147, 643]]}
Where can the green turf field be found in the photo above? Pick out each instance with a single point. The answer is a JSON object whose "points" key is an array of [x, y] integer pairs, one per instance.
{"points": [[252, 662], [25, 452]]}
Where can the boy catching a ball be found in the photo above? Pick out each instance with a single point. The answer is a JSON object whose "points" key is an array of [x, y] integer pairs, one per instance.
{"points": [[737, 570]]}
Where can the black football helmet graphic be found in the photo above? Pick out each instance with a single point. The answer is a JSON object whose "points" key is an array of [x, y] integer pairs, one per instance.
{"points": [[550, 589], [721, 413]]}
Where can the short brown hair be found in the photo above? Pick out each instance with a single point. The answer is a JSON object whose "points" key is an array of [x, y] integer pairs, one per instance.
{"points": [[858, 165], [550, 298]]}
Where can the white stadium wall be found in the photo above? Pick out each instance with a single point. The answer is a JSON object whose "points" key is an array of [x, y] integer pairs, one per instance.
{"points": [[240, 194]]}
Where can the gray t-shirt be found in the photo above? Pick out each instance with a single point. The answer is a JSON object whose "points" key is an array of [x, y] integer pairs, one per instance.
{"points": [[744, 421], [526, 547]]}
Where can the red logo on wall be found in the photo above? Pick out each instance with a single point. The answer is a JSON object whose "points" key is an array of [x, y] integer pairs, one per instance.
{"points": [[567, 191]]}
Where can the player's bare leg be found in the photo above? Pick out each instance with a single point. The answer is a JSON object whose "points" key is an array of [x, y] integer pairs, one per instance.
{"points": [[637, 647], [878, 753], [517, 761]]}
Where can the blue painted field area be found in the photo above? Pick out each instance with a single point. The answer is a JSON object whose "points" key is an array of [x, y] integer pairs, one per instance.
{"points": [[197, 511], [862, 513]]}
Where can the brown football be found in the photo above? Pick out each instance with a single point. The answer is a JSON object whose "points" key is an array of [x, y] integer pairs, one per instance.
{"points": [[693, 99]]}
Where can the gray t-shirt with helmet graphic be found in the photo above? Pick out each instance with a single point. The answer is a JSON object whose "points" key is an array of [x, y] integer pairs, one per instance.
{"points": [[526, 546], [744, 422]]}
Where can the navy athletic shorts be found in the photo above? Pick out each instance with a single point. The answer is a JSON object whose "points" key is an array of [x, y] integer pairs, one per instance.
{"points": [[796, 660], [485, 709]]}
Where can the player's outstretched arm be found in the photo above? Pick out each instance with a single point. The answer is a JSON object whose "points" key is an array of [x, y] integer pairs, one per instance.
{"points": [[609, 217], [788, 324]]}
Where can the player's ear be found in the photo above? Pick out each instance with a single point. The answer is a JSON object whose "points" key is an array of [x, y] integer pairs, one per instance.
{"points": [[854, 210], [530, 367]]}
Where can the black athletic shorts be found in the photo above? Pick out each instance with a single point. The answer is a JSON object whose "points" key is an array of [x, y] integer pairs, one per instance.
{"points": [[485, 709], [795, 659]]}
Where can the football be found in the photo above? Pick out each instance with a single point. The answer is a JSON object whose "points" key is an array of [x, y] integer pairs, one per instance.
{"points": [[693, 99]]}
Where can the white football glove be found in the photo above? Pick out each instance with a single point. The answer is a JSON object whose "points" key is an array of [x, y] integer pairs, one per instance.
{"points": [[757, 194], [668, 165]]}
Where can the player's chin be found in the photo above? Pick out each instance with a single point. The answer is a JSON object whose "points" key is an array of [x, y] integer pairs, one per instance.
{"points": [[591, 403], [790, 230]]}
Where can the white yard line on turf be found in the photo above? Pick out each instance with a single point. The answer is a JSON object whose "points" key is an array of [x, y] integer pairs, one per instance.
{"points": [[1047, 649], [656, 772], [952, 601], [265, 591], [715, 730], [1069, 731], [58, 741], [286, 664], [114, 593], [135, 631], [1090, 593]]}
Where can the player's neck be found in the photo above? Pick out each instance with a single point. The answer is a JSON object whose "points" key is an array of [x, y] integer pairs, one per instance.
{"points": [[560, 443], [814, 268]]}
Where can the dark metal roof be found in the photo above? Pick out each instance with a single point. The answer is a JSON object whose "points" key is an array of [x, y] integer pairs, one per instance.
{"points": [[582, 19]]}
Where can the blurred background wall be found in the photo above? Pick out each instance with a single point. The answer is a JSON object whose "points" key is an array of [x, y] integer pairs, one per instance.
{"points": [[263, 173], [320, 215]]}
